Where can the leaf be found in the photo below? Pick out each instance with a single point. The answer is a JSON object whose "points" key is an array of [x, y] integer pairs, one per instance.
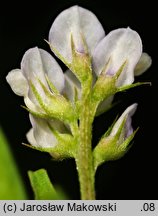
{"points": [[42, 186], [11, 186]]}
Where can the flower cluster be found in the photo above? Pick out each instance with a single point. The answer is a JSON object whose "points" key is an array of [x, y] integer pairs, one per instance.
{"points": [[99, 66]]}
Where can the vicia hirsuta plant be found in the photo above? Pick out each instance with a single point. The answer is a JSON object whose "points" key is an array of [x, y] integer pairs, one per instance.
{"points": [[63, 106]]}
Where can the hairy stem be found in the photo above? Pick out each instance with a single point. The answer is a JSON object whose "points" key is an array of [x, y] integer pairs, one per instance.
{"points": [[84, 159]]}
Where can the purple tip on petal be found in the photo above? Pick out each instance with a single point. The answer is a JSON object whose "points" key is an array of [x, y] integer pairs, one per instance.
{"points": [[80, 50], [110, 72], [128, 127]]}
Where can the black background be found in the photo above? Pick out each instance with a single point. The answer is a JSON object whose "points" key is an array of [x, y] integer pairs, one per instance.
{"points": [[26, 24]]}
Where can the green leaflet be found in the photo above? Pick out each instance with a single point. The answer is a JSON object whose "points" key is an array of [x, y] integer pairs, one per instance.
{"points": [[11, 186], [42, 186]]}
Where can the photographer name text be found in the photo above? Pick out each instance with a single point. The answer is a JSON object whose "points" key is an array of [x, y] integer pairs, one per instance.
{"points": [[110, 207]]}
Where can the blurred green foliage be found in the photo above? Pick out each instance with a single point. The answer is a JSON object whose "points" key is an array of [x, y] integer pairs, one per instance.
{"points": [[43, 188], [11, 185]]}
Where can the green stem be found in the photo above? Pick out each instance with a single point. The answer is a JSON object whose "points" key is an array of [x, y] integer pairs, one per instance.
{"points": [[84, 159]]}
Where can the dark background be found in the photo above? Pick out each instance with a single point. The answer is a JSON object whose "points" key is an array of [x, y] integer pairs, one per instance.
{"points": [[26, 24]]}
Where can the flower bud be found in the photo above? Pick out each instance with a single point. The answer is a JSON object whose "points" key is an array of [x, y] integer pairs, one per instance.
{"points": [[115, 142]]}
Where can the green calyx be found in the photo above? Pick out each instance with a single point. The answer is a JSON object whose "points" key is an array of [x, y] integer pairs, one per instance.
{"points": [[105, 85], [112, 147], [81, 62], [54, 105]]}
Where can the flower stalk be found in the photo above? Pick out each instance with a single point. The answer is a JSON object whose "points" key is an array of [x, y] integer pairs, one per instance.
{"points": [[84, 158]]}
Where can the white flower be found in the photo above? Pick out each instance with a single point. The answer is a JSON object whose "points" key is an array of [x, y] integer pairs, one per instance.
{"points": [[80, 24], [36, 65], [50, 135], [118, 47], [115, 142]]}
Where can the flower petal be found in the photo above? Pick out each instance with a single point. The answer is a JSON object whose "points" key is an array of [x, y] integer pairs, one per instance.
{"points": [[52, 69], [76, 22], [143, 64], [117, 47], [71, 85], [42, 134], [35, 65], [32, 68], [128, 113], [30, 137], [17, 82]]}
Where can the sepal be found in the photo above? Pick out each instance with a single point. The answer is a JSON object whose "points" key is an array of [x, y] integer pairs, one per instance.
{"points": [[54, 105], [81, 62], [109, 148], [126, 87], [105, 85]]}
